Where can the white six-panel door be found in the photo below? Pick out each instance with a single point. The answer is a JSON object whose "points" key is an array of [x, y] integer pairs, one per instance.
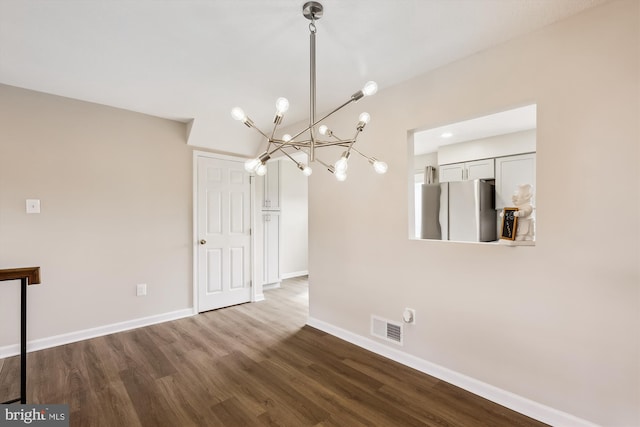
{"points": [[223, 230]]}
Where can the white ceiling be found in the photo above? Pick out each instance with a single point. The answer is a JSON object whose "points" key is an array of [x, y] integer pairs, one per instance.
{"points": [[504, 122], [196, 59]]}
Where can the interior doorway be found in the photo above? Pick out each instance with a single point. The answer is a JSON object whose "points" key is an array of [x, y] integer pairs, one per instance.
{"points": [[223, 233]]}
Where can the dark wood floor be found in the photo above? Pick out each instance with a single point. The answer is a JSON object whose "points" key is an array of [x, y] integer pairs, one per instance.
{"points": [[252, 364]]}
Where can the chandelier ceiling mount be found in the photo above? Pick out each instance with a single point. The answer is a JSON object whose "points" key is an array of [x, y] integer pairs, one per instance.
{"points": [[312, 10]]}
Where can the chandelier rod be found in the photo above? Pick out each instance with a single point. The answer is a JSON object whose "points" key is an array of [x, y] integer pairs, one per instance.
{"points": [[312, 88]]}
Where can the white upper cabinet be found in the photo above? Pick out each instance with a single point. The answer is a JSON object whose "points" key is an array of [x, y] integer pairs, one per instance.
{"points": [[450, 173], [512, 171], [478, 169], [481, 169]]}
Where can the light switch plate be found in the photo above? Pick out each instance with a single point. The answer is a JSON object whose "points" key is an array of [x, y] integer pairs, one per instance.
{"points": [[33, 206], [141, 289]]}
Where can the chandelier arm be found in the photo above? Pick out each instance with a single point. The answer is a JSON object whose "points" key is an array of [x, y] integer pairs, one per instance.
{"points": [[278, 145], [304, 142], [299, 146], [282, 146], [341, 143], [273, 132], [354, 140], [334, 111], [362, 154], [252, 126], [329, 167], [278, 148], [300, 133], [269, 142], [292, 159], [337, 138], [296, 144]]}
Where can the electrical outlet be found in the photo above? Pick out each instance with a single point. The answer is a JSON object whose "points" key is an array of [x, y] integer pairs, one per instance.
{"points": [[141, 289], [409, 316]]}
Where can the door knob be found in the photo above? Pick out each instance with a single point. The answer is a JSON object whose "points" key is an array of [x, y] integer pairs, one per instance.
{"points": [[202, 242]]}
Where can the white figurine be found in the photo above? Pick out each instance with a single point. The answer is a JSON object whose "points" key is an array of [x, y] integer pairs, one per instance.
{"points": [[522, 200]]}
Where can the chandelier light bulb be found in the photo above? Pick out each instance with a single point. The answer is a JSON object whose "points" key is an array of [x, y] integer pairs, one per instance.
{"points": [[261, 169], [364, 118], [370, 88], [342, 164], [251, 165], [282, 105], [286, 137], [324, 130], [380, 167], [341, 175], [306, 170], [238, 114]]}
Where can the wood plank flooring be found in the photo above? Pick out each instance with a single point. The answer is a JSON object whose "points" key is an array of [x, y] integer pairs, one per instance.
{"points": [[247, 365]]}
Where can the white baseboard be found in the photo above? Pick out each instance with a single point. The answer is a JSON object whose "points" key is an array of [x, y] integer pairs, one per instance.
{"points": [[505, 398], [294, 274], [270, 286], [42, 343]]}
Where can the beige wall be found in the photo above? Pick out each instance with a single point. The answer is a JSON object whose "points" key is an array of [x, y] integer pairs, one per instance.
{"points": [[115, 189], [557, 323]]}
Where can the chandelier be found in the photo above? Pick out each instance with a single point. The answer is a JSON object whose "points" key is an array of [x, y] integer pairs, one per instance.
{"points": [[317, 135]]}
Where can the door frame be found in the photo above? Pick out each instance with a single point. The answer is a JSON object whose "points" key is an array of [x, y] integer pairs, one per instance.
{"points": [[256, 295]]}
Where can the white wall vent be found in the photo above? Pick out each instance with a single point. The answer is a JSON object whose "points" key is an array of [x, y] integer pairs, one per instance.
{"points": [[386, 329]]}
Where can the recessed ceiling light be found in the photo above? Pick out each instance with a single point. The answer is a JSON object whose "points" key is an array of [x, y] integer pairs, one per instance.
{"points": [[446, 135]]}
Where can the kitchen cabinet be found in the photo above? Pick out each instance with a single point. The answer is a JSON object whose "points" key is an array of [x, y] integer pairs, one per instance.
{"points": [[512, 171], [477, 169], [271, 249], [271, 190]]}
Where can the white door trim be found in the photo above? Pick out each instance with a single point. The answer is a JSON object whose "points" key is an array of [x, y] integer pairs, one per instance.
{"points": [[255, 294]]}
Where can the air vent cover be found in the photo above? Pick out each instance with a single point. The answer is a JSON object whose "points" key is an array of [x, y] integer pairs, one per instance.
{"points": [[386, 329]]}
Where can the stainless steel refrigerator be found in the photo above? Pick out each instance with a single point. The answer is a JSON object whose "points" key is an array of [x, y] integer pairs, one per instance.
{"points": [[461, 211]]}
